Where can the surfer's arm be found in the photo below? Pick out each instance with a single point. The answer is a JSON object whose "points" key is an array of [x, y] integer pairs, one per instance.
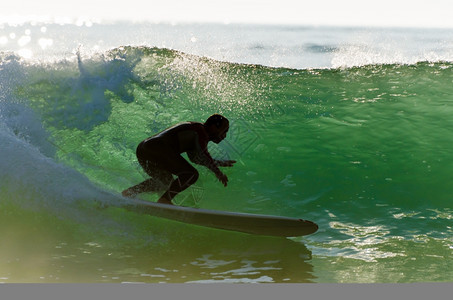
{"points": [[204, 158], [200, 155], [224, 163], [201, 158]]}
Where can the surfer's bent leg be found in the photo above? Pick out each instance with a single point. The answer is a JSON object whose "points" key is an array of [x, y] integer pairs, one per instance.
{"points": [[160, 180], [186, 176], [152, 184]]}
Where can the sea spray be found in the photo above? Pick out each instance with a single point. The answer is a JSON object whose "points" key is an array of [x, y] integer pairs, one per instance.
{"points": [[362, 151]]}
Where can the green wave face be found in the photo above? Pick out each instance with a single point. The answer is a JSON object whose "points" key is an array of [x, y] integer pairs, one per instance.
{"points": [[364, 152]]}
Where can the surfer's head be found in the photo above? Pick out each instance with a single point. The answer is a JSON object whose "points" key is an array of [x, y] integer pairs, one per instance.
{"points": [[217, 127]]}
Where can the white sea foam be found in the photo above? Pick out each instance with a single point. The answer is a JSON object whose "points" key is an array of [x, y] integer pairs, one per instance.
{"points": [[296, 47]]}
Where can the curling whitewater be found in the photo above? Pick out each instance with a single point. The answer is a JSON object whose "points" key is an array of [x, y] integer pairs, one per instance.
{"points": [[364, 151]]}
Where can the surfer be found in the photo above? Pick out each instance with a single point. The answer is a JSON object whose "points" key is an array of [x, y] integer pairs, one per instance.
{"points": [[160, 157]]}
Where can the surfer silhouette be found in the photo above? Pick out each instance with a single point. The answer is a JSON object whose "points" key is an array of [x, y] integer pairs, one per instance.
{"points": [[160, 157]]}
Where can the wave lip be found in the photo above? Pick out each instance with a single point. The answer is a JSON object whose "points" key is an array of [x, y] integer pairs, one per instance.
{"points": [[364, 151], [296, 47]]}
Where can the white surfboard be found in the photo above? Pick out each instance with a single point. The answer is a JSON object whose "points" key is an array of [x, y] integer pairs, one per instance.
{"points": [[242, 222]]}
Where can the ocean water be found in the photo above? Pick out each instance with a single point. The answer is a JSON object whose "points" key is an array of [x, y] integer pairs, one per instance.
{"points": [[351, 128]]}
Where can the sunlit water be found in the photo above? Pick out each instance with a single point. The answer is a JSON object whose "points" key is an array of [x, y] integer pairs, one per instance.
{"points": [[349, 128]]}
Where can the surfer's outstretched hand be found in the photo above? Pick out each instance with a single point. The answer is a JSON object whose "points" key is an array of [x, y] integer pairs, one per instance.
{"points": [[222, 178], [225, 163]]}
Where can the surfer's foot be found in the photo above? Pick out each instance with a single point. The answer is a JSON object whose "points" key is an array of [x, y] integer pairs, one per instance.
{"points": [[128, 193], [164, 201]]}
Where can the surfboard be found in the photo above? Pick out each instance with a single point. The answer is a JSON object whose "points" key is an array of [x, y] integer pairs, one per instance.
{"points": [[242, 222]]}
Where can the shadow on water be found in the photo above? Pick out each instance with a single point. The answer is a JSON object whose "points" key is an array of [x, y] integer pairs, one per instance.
{"points": [[175, 252], [42, 248], [220, 256]]}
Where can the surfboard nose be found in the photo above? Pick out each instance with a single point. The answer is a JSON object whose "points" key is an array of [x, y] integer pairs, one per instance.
{"points": [[314, 226]]}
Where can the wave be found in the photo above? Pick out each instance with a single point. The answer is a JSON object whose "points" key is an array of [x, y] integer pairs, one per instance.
{"points": [[109, 101], [361, 151]]}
